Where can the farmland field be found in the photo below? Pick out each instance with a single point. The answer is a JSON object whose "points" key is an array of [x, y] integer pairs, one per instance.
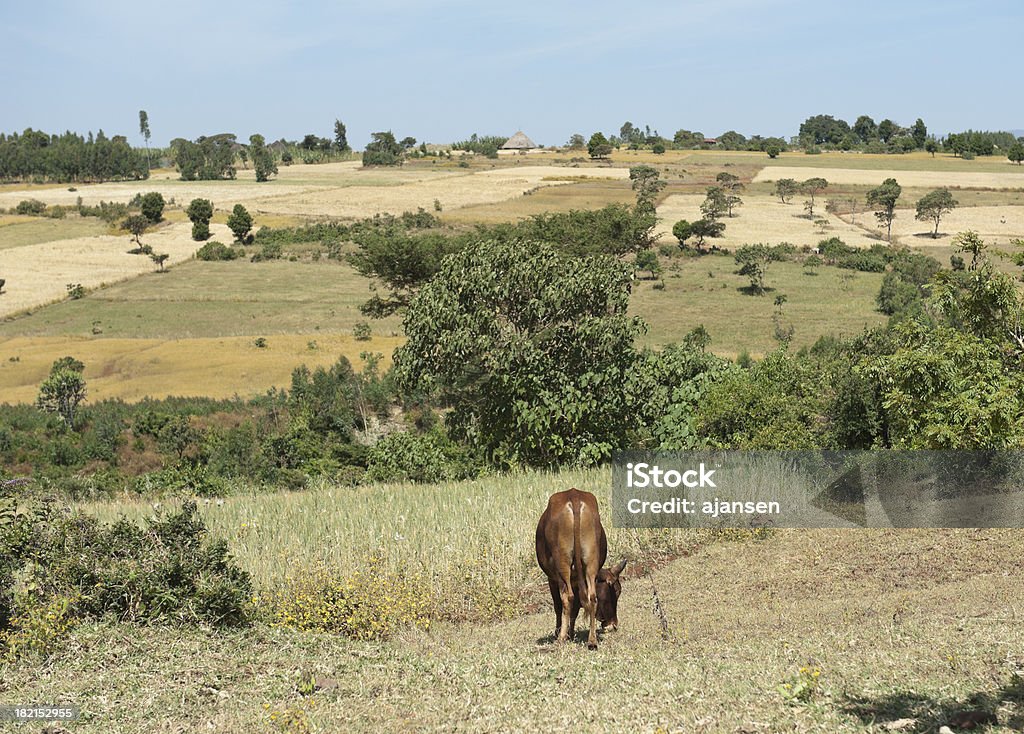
{"points": [[901, 626]]}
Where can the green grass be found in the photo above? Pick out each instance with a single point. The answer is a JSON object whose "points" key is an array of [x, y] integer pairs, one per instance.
{"points": [[198, 299], [706, 291], [38, 231], [902, 625]]}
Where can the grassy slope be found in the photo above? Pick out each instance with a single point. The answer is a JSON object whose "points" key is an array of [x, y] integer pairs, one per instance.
{"points": [[18, 231], [902, 624]]}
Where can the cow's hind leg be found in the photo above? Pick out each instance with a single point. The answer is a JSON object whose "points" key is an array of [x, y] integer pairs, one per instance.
{"points": [[556, 598], [589, 595], [567, 599]]}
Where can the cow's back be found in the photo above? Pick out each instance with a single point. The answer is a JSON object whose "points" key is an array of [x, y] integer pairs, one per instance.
{"points": [[556, 532]]}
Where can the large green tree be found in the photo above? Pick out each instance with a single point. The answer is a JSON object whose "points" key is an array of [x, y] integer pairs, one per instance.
{"points": [[599, 147], [383, 150], [933, 206], [531, 348], [262, 159], [63, 390]]}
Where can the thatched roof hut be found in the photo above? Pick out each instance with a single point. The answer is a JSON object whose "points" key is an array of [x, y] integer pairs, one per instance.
{"points": [[519, 141]]}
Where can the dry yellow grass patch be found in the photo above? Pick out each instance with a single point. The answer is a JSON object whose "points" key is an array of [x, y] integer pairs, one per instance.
{"points": [[39, 274], [452, 191], [217, 367], [997, 224], [762, 219], [962, 179]]}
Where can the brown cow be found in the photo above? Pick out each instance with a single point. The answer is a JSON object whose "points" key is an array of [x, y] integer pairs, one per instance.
{"points": [[571, 550]]}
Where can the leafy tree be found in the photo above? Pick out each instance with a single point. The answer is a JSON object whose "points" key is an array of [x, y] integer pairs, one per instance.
{"points": [[1016, 152], [648, 260], [240, 224], [136, 224], [931, 146], [646, 184], [887, 129], [341, 137], [144, 132], [822, 129], [262, 160], [919, 133], [865, 129], [408, 142], [658, 148], [159, 259], [933, 206], [714, 204], [682, 230], [811, 187], [152, 206], [773, 150], [705, 229], [729, 181], [63, 390], [786, 188], [200, 212], [533, 350], [753, 261], [731, 202], [577, 142], [884, 198], [599, 147], [207, 158], [383, 150]]}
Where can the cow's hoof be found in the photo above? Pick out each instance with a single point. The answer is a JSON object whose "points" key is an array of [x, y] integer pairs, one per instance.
{"points": [[591, 645]]}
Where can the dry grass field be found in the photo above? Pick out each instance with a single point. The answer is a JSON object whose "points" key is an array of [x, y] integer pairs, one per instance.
{"points": [[1010, 179], [762, 219], [18, 231], [38, 274], [221, 367], [996, 224]]}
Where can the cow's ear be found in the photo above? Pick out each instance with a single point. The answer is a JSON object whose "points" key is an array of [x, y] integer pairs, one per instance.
{"points": [[617, 568]]}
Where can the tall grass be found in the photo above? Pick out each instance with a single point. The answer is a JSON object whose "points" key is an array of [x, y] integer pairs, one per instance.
{"points": [[463, 536]]}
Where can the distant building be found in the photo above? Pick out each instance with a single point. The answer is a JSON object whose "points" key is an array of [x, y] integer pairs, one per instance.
{"points": [[519, 141]]}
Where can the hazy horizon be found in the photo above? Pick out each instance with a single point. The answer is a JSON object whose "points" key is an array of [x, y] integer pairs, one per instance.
{"points": [[442, 72]]}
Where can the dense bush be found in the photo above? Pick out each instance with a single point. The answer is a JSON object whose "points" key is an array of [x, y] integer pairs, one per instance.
{"points": [[214, 250], [30, 207], [420, 457], [73, 565]]}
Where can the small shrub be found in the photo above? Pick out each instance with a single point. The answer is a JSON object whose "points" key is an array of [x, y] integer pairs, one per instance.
{"points": [[269, 251], [362, 331], [32, 207], [260, 342], [216, 251], [420, 457], [75, 291], [801, 687], [200, 231]]}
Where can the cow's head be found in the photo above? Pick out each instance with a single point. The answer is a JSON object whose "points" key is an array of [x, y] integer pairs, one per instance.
{"points": [[608, 589]]}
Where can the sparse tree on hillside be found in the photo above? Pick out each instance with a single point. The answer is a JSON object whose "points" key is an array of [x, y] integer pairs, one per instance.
{"points": [[682, 230], [200, 212], [341, 137], [159, 260], [63, 390], [240, 224], [933, 206], [577, 142], [705, 229], [1016, 152], [773, 150], [408, 142], [715, 204], [786, 188], [144, 131], [729, 181], [931, 146], [599, 147], [646, 183], [919, 132], [753, 261], [884, 199], [262, 160], [811, 187], [648, 260], [136, 224], [152, 206]]}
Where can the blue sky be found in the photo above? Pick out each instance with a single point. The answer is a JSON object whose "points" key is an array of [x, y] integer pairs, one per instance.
{"points": [[439, 71]]}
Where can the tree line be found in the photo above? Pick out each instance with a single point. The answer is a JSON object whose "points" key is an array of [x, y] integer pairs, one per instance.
{"points": [[34, 155]]}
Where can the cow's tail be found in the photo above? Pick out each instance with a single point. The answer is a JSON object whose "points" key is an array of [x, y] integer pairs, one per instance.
{"points": [[577, 547]]}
